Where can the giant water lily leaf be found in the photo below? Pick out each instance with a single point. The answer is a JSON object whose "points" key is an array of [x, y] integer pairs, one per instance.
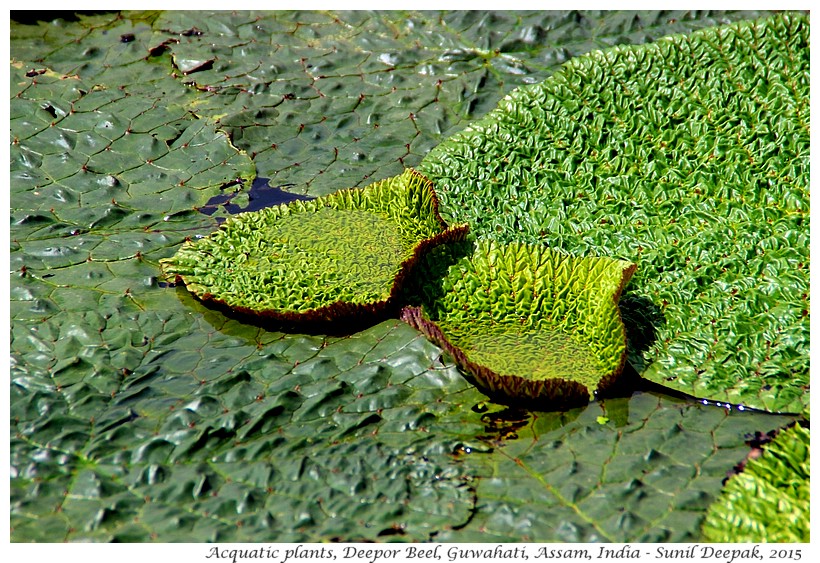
{"points": [[288, 435], [338, 261], [646, 474], [138, 414], [529, 323], [315, 439], [290, 439], [91, 156], [96, 176], [322, 100], [769, 500], [690, 156]]}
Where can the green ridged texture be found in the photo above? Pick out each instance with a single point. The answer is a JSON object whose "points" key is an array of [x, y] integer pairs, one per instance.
{"points": [[530, 312], [349, 246], [769, 500], [137, 414], [321, 100], [536, 354], [690, 156]]}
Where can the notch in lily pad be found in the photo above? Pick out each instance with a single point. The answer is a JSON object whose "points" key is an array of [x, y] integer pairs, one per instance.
{"points": [[530, 325], [334, 264]]}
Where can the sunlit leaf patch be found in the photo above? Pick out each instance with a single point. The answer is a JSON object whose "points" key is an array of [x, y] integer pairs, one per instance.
{"points": [[531, 324], [691, 155], [336, 259], [769, 500]]}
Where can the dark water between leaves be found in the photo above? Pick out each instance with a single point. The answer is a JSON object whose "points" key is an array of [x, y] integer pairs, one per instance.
{"points": [[260, 196]]}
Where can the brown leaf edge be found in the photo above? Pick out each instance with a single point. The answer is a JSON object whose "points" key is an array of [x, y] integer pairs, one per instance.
{"points": [[343, 317], [514, 390]]}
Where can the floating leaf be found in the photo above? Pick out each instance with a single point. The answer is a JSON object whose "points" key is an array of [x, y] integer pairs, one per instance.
{"points": [[338, 261], [691, 155], [648, 475], [769, 500], [532, 324], [329, 99], [194, 427]]}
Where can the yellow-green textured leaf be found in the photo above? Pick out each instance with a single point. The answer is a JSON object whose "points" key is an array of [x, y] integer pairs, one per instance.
{"points": [[690, 155], [531, 324], [336, 261], [769, 500]]}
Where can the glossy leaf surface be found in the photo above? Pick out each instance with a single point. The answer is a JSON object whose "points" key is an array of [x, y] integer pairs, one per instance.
{"points": [[689, 156], [137, 414]]}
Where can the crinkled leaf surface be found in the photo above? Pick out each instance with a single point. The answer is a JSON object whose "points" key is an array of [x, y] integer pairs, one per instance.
{"points": [[311, 439], [322, 100], [689, 156], [644, 476], [769, 500], [337, 259], [137, 414], [231, 433], [529, 322]]}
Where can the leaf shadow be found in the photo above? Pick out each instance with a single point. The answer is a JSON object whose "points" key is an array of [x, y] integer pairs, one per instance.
{"points": [[427, 286], [642, 318]]}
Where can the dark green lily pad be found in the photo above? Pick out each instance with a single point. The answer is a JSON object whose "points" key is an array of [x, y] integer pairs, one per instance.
{"points": [[333, 263], [769, 500], [139, 416], [531, 324]]}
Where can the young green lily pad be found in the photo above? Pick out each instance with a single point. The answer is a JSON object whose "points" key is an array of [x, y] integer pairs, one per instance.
{"points": [[530, 324], [336, 262], [769, 500], [669, 151]]}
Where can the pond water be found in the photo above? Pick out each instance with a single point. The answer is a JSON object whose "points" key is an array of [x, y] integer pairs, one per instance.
{"points": [[260, 196]]}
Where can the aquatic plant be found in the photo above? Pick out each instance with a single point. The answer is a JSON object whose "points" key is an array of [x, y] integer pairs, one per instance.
{"points": [[768, 501], [529, 323], [335, 262], [137, 414], [689, 155]]}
